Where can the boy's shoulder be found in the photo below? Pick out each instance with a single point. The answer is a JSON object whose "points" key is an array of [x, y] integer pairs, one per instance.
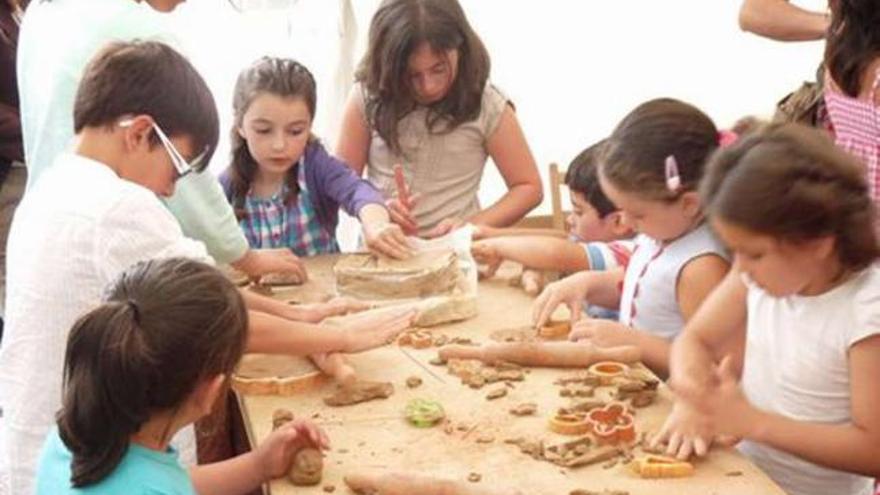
{"points": [[608, 255]]}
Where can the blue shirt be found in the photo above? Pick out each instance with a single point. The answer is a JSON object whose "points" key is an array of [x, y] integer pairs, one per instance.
{"points": [[142, 471]]}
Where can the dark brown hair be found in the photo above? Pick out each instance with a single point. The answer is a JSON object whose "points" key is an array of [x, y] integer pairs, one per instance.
{"points": [[281, 77], [853, 42], [164, 326], [397, 29], [148, 77], [636, 153], [582, 176], [790, 182]]}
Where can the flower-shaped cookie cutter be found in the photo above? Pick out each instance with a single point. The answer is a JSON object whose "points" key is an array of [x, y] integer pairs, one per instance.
{"points": [[612, 424]]}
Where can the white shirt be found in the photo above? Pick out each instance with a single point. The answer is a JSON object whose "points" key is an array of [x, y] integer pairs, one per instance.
{"points": [[796, 365], [72, 234], [649, 301]]}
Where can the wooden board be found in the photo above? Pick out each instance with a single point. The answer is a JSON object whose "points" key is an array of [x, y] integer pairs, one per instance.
{"points": [[374, 435]]}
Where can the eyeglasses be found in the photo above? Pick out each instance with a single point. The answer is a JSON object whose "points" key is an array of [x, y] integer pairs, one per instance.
{"points": [[180, 164]]}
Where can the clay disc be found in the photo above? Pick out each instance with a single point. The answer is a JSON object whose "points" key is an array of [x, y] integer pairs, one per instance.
{"points": [[518, 334], [275, 374]]}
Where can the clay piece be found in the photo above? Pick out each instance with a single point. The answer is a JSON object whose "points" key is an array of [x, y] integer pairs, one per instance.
{"points": [[475, 374], [475, 477], [416, 338], [485, 438], [517, 334], [579, 452], [658, 466], [569, 424], [329, 488], [359, 392], [413, 382], [275, 279], [496, 393], [398, 483], [607, 371], [275, 374], [372, 277], [307, 469], [525, 409], [308, 463], [423, 413], [612, 424], [555, 330]]}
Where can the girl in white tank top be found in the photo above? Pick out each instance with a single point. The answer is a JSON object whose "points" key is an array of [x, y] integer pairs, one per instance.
{"points": [[650, 170]]}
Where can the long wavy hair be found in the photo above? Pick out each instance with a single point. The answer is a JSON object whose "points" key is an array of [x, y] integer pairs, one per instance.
{"points": [[281, 77], [853, 42], [397, 29]]}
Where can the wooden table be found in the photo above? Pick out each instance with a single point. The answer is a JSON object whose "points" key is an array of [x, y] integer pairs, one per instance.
{"points": [[374, 434]]}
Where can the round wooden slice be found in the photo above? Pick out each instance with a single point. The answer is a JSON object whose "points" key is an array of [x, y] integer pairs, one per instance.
{"points": [[275, 374]]}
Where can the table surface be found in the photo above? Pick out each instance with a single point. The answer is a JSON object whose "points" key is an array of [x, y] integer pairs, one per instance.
{"points": [[374, 434]]}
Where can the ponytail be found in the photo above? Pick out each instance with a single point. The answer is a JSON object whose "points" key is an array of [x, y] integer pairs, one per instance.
{"points": [[166, 326]]}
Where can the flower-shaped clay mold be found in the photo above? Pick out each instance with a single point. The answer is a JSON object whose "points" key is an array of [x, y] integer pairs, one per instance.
{"points": [[612, 424]]}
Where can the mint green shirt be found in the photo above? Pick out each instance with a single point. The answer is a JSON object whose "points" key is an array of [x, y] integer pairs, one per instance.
{"points": [[142, 471], [56, 42]]}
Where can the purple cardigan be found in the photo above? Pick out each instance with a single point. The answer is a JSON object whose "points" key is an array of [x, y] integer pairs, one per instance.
{"points": [[332, 184]]}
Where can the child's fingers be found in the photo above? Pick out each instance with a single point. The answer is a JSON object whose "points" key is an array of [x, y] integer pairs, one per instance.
{"points": [[674, 443], [701, 447], [685, 449], [544, 305]]}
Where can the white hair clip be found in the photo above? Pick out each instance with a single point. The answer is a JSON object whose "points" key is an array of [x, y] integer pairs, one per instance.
{"points": [[673, 179]]}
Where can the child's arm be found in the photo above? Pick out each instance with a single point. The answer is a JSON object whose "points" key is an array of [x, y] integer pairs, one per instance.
{"points": [[488, 232], [353, 144], [853, 447], [270, 460], [608, 333], [274, 335], [782, 21], [509, 150], [601, 288], [542, 253]]}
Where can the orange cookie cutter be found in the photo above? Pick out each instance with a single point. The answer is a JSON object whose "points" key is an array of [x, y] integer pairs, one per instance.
{"points": [[607, 371], [555, 330], [658, 466], [612, 424], [570, 424]]}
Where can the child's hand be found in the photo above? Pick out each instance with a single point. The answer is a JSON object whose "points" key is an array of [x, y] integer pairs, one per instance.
{"points": [[726, 407], [275, 454], [258, 262], [400, 212], [387, 239], [486, 253], [484, 232], [445, 226], [376, 330], [686, 431], [570, 291], [602, 333]]}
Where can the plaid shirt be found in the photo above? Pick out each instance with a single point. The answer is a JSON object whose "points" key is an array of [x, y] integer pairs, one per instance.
{"points": [[270, 223]]}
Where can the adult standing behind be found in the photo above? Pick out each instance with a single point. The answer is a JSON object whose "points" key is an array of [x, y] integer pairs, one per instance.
{"points": [[423, 101], [58, 38], [852, 83], [782, 21]]}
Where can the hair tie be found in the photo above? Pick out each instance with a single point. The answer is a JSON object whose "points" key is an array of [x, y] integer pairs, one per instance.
{"points": [[726, 138], [673, 178]]}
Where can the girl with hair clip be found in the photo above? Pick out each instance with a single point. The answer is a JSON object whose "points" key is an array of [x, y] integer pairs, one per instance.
{"points": [[423, 119], [804, 296], [650, 170], [852, 87], [150, 360], [285, 188]]}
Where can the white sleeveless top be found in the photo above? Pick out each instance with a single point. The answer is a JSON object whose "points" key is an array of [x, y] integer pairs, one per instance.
{"points": [[649, 301], [797, 366]]}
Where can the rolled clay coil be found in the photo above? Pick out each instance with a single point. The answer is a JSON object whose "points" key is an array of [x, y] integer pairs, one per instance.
{"points": [[555, 330], [607, 371], [569, 424], [658, 466]]}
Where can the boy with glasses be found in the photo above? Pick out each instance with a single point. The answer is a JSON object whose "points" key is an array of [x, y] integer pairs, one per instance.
{"points": [[143, 118]]}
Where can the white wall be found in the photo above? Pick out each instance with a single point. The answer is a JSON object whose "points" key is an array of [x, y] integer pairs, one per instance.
{"points": [[573, 67]]}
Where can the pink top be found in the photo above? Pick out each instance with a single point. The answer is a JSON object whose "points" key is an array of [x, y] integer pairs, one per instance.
{"points": [[855, 123]]}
